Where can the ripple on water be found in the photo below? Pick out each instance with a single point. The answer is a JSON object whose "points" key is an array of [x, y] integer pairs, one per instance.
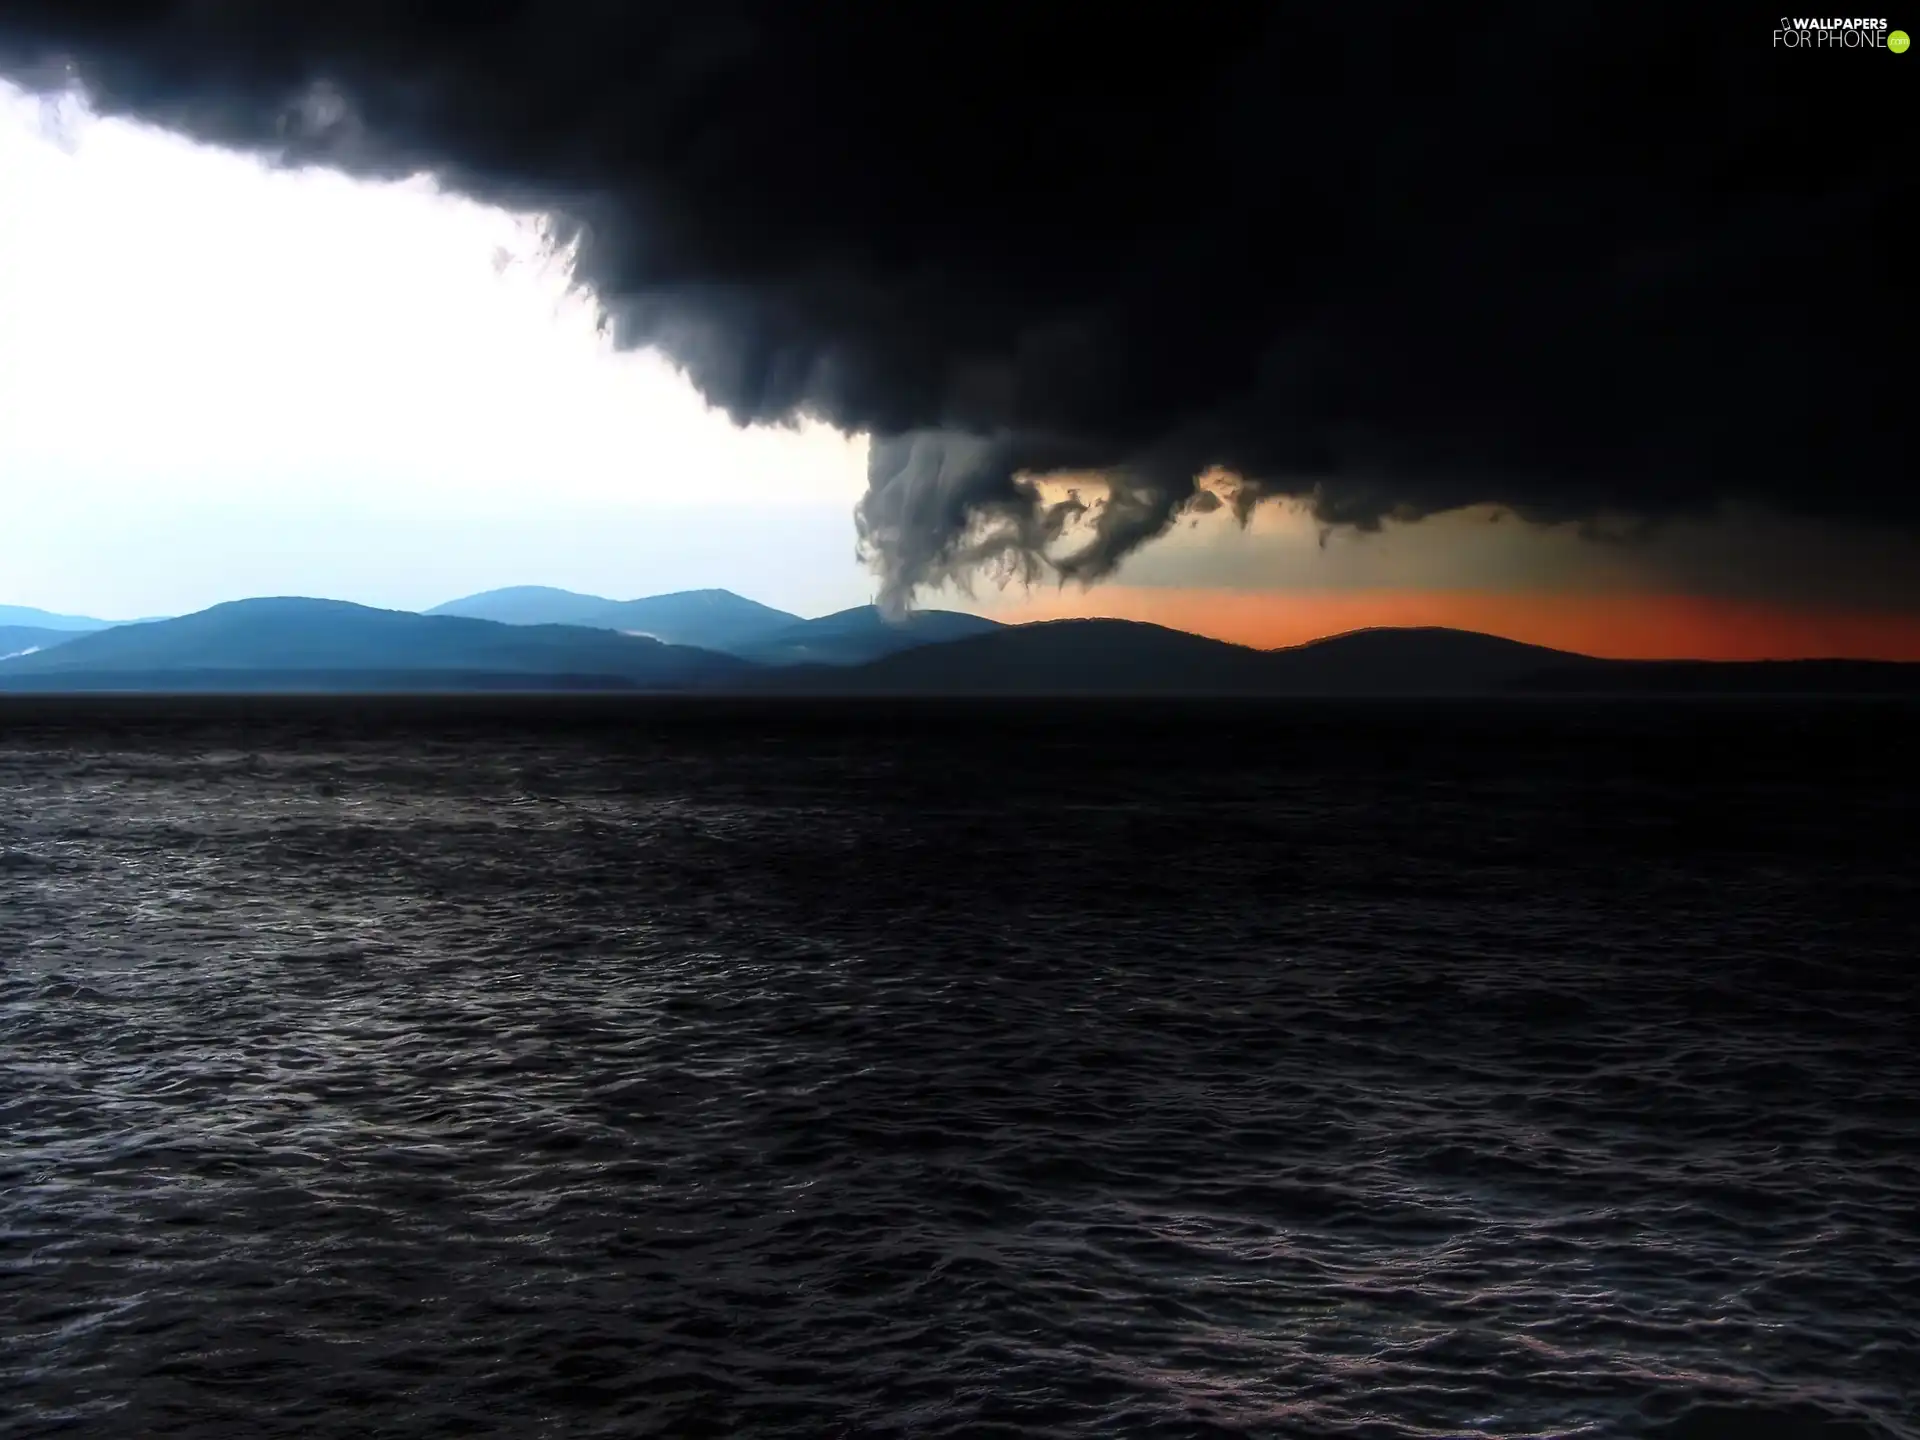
{"points": [[585, 1078]]}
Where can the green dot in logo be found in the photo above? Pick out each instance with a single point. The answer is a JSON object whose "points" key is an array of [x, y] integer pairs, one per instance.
{"points": [[1897, 41]]}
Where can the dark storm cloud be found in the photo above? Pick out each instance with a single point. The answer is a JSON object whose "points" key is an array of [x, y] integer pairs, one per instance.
{"points": [[1575, 259]]}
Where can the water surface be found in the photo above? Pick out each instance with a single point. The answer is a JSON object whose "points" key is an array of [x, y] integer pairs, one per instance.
{"points": [[575, 1068]]}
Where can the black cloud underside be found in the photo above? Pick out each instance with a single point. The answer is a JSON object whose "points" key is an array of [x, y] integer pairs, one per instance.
{"points": [[1574, 259]]}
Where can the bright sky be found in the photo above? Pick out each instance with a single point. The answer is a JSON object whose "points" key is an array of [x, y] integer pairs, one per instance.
{"points": [[218, 380]]}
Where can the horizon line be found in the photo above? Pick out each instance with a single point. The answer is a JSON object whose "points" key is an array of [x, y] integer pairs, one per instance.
{"points": [[1317, 638]]}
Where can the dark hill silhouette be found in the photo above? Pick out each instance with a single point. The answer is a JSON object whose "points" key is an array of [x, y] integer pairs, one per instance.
{"points": [[1125, 657], [1069, 657], [710, 619], [11, 615], [1121, 657], [864, 633], [315, 637], [1417, 660]]}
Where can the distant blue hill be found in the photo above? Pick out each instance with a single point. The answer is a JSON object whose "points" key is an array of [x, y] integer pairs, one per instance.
{"points": [[710, 619], [863, 634], [715, 619], [528, 605], [14, 639], [356, 646], [26, 615]]}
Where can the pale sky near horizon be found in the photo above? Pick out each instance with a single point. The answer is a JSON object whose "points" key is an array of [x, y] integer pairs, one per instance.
{"points": [[218, 380]]}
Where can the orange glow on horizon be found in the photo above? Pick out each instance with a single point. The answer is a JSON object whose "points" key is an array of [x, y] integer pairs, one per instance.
{"points": [[1638, 627]]}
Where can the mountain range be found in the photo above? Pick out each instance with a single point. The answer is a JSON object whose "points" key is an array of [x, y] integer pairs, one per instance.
{"points": [[309, 645], [1114, 657], [295, 643], [14, 616], [713, 619], [721, 620], [863, 634]]}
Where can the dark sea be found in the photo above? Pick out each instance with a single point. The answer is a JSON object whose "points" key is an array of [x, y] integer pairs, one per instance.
{"points": [[516, 1067]]}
